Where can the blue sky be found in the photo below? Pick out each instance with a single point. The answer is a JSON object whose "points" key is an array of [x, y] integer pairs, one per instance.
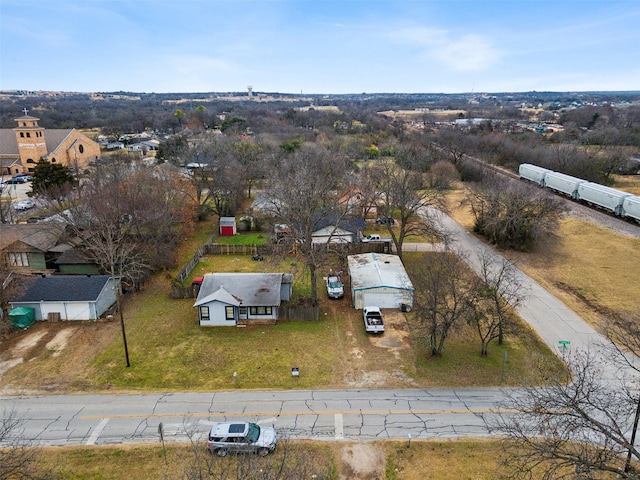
{"points": [[320, 46]]}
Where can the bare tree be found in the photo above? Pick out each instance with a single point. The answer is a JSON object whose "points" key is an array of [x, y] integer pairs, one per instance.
{"points": [[6, 212], [249, 157], [302, 191], [18, 457], [498, 292], [8, 286], [129, 220], [452, 143], [442, 297], [203, 156], [442, 174], [403, 193], [513, 215], [585, 428], [220, 172]]}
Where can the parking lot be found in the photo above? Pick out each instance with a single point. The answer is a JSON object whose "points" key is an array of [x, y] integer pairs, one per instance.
{"points": [[16, 191]]}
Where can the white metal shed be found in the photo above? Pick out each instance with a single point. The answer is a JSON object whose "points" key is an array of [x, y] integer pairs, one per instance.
{"points": [[380, 280]]}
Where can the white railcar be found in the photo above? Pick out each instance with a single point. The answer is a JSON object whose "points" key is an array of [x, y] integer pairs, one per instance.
{"points": [[605, 197], [559, 182], [631, 207], [533, 173]]}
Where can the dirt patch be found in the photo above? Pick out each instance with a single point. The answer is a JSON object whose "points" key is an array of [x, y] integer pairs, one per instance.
{"points": [[9, 364], [396, 333], [362, 461], [25, 344], [59, 342], [395, 339], [75, 344]]}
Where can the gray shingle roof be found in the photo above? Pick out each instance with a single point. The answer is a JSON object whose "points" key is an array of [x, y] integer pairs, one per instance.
{"points": [[251, 289], [56, 288]]}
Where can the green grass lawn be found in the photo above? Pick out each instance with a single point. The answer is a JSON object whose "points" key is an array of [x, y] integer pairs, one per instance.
{"points": [[244, 238]]}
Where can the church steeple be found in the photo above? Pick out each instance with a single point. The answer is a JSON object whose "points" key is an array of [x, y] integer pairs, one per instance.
{"points": [[30, 137]]}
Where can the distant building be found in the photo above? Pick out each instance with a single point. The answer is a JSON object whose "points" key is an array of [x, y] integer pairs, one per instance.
{"points": [[22, 147]]}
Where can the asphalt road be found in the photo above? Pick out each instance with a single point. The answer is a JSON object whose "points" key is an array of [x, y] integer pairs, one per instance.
{"points": [[323, 415], [358, 415]]}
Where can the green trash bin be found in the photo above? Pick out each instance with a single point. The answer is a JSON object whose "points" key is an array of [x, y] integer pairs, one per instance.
{"points": [[22, 317]]}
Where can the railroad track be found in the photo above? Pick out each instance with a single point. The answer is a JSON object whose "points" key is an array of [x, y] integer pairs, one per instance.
{"points": [[624, 226]]}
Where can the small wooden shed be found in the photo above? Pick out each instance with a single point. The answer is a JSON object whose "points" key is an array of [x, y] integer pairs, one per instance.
{"points": [[227, 226]]}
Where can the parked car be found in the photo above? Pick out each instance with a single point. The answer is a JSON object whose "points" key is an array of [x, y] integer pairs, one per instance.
{"points": [[385, 221], [335, 287], [24, 205], [373, 321], [16, 180], [36, 218], [24, 175], [241, 437]]}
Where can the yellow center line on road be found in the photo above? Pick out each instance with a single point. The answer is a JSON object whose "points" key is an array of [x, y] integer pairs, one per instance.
{"points": [[292, 413]]}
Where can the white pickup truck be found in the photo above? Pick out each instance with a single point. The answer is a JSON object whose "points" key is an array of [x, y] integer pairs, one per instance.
{"points": [[373, 322], [375, 237]]}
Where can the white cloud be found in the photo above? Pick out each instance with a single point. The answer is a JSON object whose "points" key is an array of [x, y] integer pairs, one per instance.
{"points": [[470, 53], [419, 36], [467, 53]]}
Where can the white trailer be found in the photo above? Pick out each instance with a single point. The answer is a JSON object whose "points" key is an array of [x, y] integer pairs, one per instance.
{"points": [[559, 182], [608, 198], [533, 173], [631, 207]]}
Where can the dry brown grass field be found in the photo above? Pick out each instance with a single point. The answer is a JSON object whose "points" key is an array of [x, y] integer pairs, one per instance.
{"points": [[592, 269], [475, 459], [628, 183]]}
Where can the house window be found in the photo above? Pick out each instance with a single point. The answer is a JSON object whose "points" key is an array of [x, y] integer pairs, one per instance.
{"points": [[53, 160], [261, 310], [18, 260], [30, 160], [81, 149], [21, 134], [28, 135], [204, 313], [243, 311], [228, 313]]}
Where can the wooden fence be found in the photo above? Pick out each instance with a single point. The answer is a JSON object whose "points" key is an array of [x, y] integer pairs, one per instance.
{"points": [[298, 313], [343, 248]]}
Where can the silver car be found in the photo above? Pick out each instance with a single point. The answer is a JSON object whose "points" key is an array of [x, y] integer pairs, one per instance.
{"points": [[24, 205], [241, 437]]}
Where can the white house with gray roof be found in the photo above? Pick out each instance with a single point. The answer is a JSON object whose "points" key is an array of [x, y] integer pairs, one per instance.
{"points": [[379, 280], [230, 299]]}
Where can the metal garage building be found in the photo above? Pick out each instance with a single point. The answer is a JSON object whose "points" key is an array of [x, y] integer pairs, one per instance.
{"points": [[380, 280]]}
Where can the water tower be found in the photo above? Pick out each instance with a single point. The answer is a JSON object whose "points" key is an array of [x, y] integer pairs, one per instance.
{"points": [[250, 89]]}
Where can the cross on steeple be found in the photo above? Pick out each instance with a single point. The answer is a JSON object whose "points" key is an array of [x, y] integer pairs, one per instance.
{"points": [[25, 111]]}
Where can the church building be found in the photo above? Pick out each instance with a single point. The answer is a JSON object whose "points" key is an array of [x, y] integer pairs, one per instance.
{"points": [[22, 147]]}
